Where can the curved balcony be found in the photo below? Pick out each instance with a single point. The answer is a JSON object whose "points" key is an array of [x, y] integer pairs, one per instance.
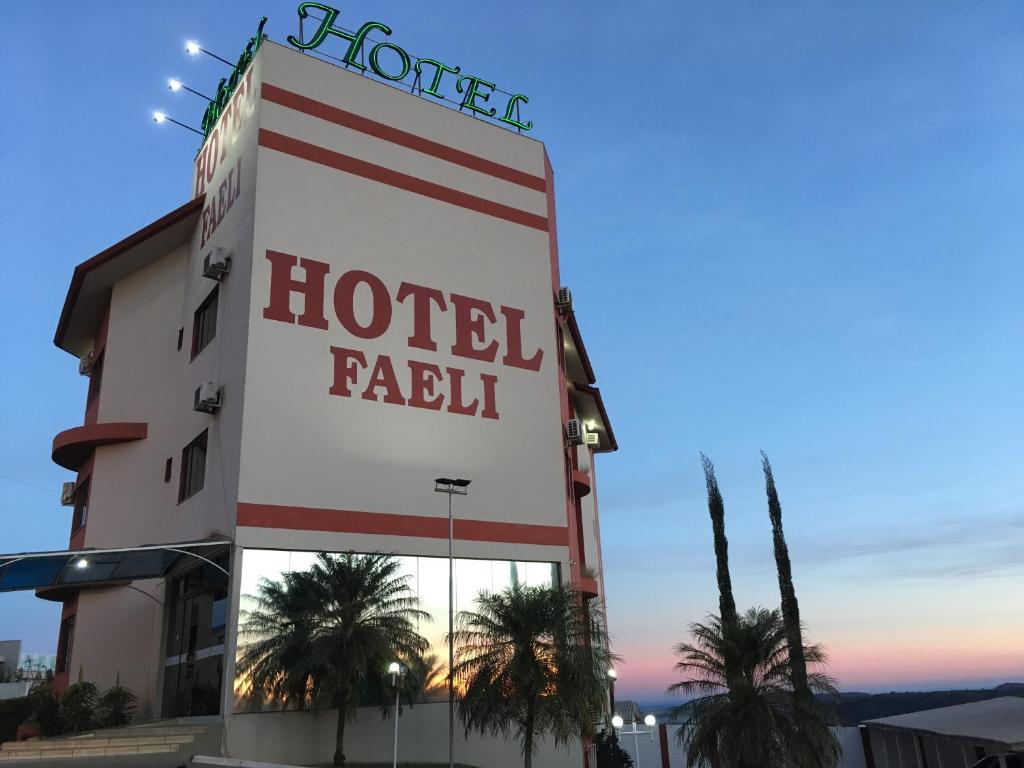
{"points": [[71, 448], [580, 483]]}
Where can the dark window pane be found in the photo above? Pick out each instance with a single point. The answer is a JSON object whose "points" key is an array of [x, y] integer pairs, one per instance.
{"points": [[64, 641], [204, 325], [81, 507], [193, 468]]}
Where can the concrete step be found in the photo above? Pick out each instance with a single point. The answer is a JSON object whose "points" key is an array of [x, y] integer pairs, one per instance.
{"points": [[64, 745], [105, 751]]}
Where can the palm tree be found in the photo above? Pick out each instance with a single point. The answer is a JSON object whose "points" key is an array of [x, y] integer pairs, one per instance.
{"points": [[716, 508], [746, 717], [325, 636], [532, 662], [790, 607]]}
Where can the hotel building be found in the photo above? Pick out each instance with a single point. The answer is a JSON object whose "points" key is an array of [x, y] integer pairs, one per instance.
{"points": [[361, 295]]}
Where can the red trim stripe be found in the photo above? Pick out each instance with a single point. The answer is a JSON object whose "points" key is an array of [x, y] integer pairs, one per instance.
{"points": [[389, 524], [326, 157], [355, 122]]}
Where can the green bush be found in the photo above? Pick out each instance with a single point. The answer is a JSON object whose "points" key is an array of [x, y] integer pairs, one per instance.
{"points": [[78, 707], [44, 709], [13, 712], [116, 706]]}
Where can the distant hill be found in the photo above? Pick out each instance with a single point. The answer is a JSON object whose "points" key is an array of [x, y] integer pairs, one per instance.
{"points": [[855, 707]]}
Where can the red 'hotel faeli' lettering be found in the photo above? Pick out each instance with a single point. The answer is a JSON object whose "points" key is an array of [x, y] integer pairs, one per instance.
{"points": [[427, 382]]}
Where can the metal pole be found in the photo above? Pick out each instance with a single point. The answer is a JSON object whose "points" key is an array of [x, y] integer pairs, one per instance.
{"points": [[451, 640], [636, 745], [394, 762]]}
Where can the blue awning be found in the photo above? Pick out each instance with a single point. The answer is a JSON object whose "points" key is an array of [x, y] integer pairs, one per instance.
{"points": [[78, 568]]}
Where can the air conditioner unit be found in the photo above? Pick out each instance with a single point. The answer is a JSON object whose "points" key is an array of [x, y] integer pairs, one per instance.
{"points": [[593, 438], [563, 300], [574, 432], [216, 263], [86, 362], [67, 495], [207, 398]]}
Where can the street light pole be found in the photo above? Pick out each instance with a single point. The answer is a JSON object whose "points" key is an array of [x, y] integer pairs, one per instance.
{"points": [[396, 675], [451, 487]]}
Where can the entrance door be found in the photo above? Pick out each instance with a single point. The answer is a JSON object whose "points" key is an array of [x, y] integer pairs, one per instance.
{"points": [[196, 627]]}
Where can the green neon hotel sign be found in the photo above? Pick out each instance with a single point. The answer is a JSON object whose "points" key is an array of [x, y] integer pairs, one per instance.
{"points": [[476, 92]]}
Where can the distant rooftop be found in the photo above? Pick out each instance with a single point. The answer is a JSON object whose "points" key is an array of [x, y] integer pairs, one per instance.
{"points": [[1000, 720]]}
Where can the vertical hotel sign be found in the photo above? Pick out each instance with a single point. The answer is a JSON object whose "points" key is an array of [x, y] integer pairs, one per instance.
{"points": [[391, 62], [219, 164]]}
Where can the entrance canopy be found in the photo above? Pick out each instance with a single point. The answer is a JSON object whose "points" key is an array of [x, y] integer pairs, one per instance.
{"points": [[81, 568]]}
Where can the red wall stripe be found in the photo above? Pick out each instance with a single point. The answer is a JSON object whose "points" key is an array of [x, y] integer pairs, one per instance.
{"points": [[386, 132], [389, 524], [311, 152]]}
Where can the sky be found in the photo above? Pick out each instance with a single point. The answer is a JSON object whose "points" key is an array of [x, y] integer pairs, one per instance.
{"points": [[793, 227]]}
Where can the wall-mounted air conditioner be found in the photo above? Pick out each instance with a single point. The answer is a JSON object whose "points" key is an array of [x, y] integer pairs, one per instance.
{"points": [[217, 263], [574, 432], [207, 397], [67, 495], [86, 362], [563, 300]]}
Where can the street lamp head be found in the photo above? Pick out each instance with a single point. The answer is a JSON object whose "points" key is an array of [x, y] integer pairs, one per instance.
{"points": [[617, 721], [612, 674], [192, 48], [159, 117], [82, 563], [174, 84], [650, 720], [443, 481], [460, 483], [394, 668]]}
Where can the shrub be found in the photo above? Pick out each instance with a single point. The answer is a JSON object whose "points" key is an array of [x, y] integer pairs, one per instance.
{"points": [[116, 706], [13, 712], [78, 707], [44, 710]]}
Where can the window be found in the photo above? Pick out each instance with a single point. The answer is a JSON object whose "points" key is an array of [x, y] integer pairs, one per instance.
{"points": [[95, 376], [81, 506], [193, 468], [167, 470], [204, 325], [67, 633]]}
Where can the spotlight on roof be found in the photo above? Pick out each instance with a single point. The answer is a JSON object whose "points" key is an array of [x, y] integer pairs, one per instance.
{"points": [[192, 48]]}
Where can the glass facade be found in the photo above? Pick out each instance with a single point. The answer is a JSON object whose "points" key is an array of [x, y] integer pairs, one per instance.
{"points": [[428, 579]]}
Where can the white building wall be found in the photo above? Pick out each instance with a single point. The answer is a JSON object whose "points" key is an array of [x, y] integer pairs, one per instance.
{"points": [[308, 738]]}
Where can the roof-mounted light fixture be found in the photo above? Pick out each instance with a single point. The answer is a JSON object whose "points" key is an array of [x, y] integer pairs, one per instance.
{"points": [[192, 48], [160, 117]]}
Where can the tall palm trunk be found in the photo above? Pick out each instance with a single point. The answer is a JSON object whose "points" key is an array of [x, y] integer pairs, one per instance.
{"points": [[531, 717], [339, 739], [716, 508], [790, 608]]}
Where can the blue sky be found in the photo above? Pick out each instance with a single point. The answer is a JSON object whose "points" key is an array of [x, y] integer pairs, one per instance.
{"points": [[792, 227]]}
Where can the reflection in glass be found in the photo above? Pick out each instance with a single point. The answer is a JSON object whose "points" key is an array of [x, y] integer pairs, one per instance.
{"points": [[428, 579]]}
